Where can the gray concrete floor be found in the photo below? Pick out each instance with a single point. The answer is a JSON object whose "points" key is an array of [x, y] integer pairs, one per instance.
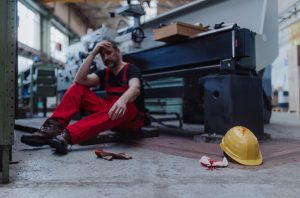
{"points": [[40, 173]]}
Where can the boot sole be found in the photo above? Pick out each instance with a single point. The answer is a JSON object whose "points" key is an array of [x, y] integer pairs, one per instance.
{"points": [[35, 141]]}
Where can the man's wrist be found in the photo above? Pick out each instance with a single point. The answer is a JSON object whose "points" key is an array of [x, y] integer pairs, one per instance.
{"points": [[92, 53], [123, 100]]}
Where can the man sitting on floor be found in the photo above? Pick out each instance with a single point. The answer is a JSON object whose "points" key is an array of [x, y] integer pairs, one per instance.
{"points": [[121, 110]]}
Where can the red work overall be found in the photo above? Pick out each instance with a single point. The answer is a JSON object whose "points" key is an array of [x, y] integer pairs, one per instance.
{"points": [[79, 96]]}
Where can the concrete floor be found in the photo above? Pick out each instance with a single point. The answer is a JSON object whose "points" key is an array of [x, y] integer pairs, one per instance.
{"points": [[151, 173]]}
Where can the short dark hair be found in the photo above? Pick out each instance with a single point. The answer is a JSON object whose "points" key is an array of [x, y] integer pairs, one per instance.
{"points": [[114, 43]]}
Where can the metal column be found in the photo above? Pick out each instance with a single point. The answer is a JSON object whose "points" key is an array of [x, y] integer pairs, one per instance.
{"points": [[45, 35], [8, 68]]}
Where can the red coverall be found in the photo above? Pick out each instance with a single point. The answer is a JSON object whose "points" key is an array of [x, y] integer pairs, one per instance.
{"points": [[79, 96]]}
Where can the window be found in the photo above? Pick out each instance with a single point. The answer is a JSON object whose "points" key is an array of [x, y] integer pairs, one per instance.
{"points": [[29, 27], [59, 43], [24, 63]]}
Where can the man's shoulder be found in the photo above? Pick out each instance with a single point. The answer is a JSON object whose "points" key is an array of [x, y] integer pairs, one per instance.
{"points": [[132, 65], [133, 68], [133, 71]]}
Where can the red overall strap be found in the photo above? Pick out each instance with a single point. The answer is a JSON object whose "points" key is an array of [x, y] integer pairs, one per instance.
{"points": [[125, 73], [106, 77]]}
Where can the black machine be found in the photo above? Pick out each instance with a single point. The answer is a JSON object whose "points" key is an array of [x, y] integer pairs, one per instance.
{"points": [[221, 87]]}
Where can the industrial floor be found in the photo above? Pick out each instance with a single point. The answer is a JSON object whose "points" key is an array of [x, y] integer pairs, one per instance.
{"points": [[165, 166]]}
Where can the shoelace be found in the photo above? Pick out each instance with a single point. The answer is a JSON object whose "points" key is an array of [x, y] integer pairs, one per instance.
{"points": [[43, 129]]}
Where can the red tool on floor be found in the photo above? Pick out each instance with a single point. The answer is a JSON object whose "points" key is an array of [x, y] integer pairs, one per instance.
{"points": [[110, 156]]}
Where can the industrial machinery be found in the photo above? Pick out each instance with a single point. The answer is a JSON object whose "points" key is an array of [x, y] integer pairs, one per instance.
{"points": [[35, 85], [216, 71], [219, 64], [227, 76]]}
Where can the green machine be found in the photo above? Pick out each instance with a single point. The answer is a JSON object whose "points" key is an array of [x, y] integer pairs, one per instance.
{"points": [[8, 67], [38, 82]]}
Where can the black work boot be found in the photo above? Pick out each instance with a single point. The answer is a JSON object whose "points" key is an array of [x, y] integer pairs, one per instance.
{"points": [[61, 142], [49, 129]]}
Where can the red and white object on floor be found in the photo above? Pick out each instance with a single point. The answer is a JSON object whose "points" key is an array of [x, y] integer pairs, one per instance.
{"points": [[213, 164]]}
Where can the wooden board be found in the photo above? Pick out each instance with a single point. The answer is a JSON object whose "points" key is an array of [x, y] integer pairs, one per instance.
{"points": [[176, 32]]}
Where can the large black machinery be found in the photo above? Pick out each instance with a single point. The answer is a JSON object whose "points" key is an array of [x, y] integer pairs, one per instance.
{"points": [[221, 88]]}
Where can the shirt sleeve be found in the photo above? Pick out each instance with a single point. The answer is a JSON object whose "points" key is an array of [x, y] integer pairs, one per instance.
{"points": [[133, 72], [100, 73]]}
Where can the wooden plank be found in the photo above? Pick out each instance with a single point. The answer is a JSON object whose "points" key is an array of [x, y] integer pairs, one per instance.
{"points": [[176, 32]]}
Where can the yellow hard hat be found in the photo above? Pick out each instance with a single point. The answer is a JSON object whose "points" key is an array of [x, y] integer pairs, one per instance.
{"points": [[241, 145]]}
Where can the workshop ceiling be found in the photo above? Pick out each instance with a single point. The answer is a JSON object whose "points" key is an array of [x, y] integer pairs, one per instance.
{"points": [[96, 12]]}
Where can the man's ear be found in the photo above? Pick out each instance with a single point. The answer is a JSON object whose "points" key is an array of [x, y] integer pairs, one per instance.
{"points": [[118, 50]]}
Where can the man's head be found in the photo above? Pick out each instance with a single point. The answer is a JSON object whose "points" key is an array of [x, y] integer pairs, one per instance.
{"points": [[110, 54]]}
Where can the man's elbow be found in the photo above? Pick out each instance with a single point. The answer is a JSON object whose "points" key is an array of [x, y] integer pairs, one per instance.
{"points": [[138, 91], [79, 81]]}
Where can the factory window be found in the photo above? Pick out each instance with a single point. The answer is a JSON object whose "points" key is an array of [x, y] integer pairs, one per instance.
{"points": [[29, 27], [24, 63], [59, 43]]}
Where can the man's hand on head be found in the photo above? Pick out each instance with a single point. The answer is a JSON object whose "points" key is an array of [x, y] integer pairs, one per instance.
{"points": [[118, 109], [102, 47]]}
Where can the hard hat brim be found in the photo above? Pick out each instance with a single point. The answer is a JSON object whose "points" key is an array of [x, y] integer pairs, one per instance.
{"points": [[255, 162]]}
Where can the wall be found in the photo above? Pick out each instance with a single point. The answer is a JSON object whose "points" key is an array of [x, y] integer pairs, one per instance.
{"points": [[284, 4], [280, 65], [289, 36], [62, 11]]}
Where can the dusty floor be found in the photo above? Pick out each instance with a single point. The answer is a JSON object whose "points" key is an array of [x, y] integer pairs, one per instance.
{"points": [[156, 172]]}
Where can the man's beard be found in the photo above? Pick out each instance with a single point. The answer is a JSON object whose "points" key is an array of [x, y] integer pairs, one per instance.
{"points": [[111, 64]]}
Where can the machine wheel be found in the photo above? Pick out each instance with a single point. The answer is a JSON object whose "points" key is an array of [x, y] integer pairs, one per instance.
{"points": [[137, 35]]}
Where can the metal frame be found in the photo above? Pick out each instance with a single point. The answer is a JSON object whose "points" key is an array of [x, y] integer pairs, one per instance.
{"points": [[229, 53], [8, 67], [232, 49]]}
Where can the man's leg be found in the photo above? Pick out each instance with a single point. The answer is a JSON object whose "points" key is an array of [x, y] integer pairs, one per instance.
{"points": [[77, 96], [133, 125], [90, 126]]}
